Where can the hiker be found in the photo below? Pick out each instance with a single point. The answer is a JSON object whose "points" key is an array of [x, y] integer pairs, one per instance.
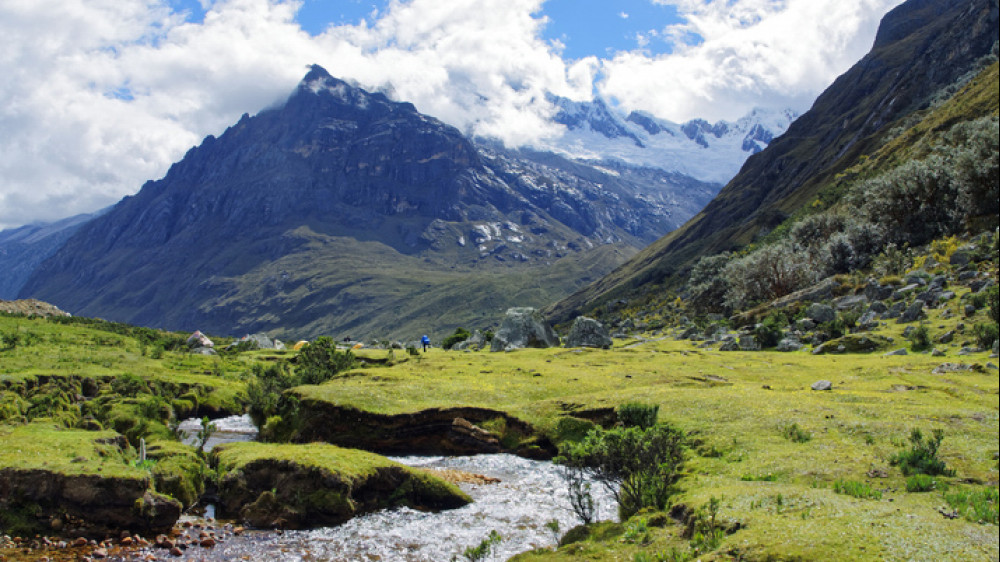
{"points": [[426, 341]]}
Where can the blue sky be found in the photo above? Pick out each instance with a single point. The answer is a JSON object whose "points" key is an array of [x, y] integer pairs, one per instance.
{"points": [[584, 27]]}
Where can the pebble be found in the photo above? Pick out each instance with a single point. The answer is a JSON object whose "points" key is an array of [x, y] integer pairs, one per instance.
{"points": [[176, 551]]}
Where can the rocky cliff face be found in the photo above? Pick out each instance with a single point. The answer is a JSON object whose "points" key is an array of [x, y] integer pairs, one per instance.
{"points": [[341, 205]]}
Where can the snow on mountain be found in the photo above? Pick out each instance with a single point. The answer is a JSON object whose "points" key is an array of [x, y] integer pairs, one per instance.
{"points": [[705, 151]]}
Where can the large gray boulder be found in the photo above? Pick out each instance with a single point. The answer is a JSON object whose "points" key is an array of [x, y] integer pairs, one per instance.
{"points": [[820, 313], [912, 313], [587, 332], [523, 327]]}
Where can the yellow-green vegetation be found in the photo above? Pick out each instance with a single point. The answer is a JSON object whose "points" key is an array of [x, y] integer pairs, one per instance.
{"points": [[43, 445], [283, 485], [777, 494]]}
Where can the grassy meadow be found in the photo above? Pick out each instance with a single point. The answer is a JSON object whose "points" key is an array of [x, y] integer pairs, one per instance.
{"points": [[798, 473]]}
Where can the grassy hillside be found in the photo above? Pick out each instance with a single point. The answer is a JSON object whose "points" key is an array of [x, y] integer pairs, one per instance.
{"points": [[922, 51]]}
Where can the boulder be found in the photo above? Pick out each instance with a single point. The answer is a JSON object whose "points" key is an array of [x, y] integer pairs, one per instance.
{"points": [[789, 344], [900, 351], [523, 327], [729, 345], [262, 341], [587, 332], [475, 342], [821, 313], [960, 258], [198, 339], [822, 385], [912, 313]]}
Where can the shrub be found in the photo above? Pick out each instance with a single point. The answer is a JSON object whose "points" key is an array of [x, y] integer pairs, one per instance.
{"points": [[922, 457], [707, 533], [319, 361], [460, 335], [482, 550], [769, 332], [768, 273], [638, 466], [707, 284], [979, 506], [985, 334], [264, 388], [856, 489], [795, 433], [920, 338], [636, 414], [920, 483]]}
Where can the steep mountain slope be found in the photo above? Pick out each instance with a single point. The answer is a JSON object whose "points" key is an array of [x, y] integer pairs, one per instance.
{"points": [[342, 210], [922, 46], [22, 249], [699, 149]]}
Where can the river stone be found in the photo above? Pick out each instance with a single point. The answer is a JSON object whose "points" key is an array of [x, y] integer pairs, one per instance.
{"points": [[822, 385], [523, 327], [587, 332], [821, 313]]}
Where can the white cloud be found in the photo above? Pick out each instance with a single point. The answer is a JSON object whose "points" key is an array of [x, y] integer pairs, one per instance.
{"points": [[100, 95], [732, 56]]}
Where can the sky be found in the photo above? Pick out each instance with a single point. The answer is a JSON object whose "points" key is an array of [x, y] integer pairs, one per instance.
{"points": [[99, 96]]}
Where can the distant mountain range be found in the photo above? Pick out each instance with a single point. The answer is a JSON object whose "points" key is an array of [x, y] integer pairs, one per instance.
{"points": [[705, 151], [922, 49], [343, 212]]}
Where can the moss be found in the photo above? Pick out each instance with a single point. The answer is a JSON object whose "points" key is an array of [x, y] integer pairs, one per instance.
{"points": [[177, 470]]}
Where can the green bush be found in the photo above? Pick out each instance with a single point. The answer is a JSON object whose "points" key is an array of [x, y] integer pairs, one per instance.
{"points": [[856, 489], [985, 334], [978, 506], [920, 483], [638, 466], [922, 457], [920, 338], [460, 335], [795, 433], [769, 332], [637, 414], [319, 361]]}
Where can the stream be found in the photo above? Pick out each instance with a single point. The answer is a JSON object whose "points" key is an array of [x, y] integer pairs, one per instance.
{"points": [[529, 495]]}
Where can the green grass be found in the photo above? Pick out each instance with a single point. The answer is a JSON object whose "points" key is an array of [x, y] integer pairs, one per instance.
{"points": [[856, 489], [781, 491], [45, 446]]}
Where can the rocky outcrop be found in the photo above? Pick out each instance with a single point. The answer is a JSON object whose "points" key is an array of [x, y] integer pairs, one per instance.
{"points": [[587, 332], [282, 486], [31, 307], [523, 327]]}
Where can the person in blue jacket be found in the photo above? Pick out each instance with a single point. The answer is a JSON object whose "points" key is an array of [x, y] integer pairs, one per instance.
{"points": [[426, 341]]}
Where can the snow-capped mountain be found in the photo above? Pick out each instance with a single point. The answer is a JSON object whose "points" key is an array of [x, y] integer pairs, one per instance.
{"points": [[705, 151]]}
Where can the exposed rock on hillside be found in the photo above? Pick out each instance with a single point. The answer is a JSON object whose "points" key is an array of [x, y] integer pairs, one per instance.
{"points": [[523, 327], [343, 211], [31, 307]]}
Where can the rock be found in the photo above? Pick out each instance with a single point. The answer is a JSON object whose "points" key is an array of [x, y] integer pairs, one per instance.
{"points": [[262, 341], [878, 307], [208, 542], [912, 313], [198, 339], [945, 296], [806, 324], [960, 258], [969, 310], [80, 542], [868, 320], [896, 352], [821, 313], [947, 337], [937, 353], [955, 368], [966, 275], [850, 301], [476, 341], [895, 311], [904, 290], [876, 292], [853, 343], [729, 345], [99, 553], [749, 343], [992, 366], [909, 331], [176, 551], [203, 351], [523, 327], [937, 282], [587, 332], [789, 344], [822, 385]]}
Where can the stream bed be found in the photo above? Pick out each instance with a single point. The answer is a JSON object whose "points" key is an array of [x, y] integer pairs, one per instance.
{"points": [[529, 495]]}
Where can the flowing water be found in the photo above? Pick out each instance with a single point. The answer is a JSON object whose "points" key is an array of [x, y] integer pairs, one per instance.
{"points": [[529, 495], [227, 430]]}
